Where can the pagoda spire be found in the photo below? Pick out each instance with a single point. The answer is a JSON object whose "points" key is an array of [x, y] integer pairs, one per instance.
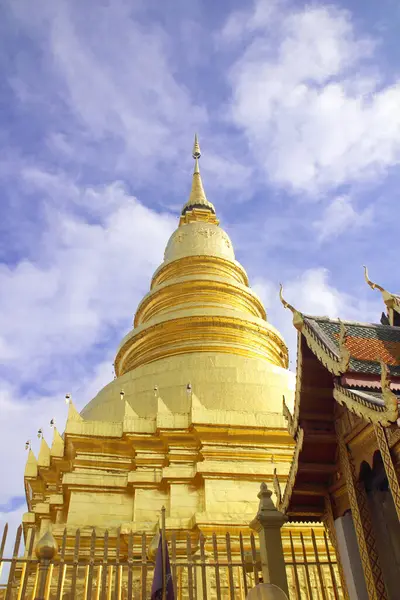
{"points": [[31, 467], [197, 198]]}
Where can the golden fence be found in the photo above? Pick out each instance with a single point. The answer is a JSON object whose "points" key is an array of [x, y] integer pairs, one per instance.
{"points": [[313, 574], [102, 567]]}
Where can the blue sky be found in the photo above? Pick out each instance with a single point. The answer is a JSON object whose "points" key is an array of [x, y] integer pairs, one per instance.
{"points": [[297, 106]]}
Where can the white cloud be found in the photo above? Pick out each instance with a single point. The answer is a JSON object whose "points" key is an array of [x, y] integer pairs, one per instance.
{"points": [[115, 77], [339, 216], [312, 293], [24, 415], [89, 277], [21, 419], [13, 518], [82, 288], [244, 22], [307, 95]]}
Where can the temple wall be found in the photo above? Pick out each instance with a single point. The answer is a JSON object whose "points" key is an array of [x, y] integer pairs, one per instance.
{"points": [[231, 496], [102, 509], [148, 505], [185, 499]]}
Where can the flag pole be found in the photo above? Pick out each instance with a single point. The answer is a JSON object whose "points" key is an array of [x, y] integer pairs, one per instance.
{"points": [[164, 555]]}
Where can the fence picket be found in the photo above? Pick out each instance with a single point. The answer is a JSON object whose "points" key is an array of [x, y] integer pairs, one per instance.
{"points": [[230, 566], [254, 558], [243, 561], [173, 564], [3, 541], [130, 564], [75, 564], [144, 567], [216, 563], [203, 566], [307, 569], [319, 570], [117, 592], [332, 571], [104, 568], [25, 568], [62, 566], [296, 575], [90, 569], [13, 563], [190, 565]]}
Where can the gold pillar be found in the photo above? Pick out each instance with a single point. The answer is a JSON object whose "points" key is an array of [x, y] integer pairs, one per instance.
{"points": [[363, 526], [391, 473], [268, 523]]}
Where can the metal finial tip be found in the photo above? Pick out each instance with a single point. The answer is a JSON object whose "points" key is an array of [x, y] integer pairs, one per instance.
{"points": [[196, 148], [47, 547]]}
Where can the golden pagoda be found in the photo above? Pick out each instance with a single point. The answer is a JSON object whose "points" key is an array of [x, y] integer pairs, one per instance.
{"points": [[193, 419]]}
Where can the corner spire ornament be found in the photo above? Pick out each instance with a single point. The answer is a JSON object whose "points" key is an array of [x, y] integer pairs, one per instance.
{"points": [[197, 208]]}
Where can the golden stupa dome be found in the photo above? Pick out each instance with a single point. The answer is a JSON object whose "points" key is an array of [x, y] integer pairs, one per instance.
{"points": [[199, 239], [201, 324]]}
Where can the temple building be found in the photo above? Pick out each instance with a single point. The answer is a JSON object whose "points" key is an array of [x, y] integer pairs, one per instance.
{"points": [[193, 422], [346, 464]]}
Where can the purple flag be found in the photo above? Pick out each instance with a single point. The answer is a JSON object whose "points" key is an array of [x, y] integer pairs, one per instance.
{"points": [[157, 587]]}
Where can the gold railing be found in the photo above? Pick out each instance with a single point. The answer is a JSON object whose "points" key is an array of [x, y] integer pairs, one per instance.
{"points": [[313, 574], [102, 567]]}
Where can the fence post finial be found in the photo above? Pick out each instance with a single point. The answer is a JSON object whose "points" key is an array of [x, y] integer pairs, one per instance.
{"points": [[46, 549], [268, 522]]}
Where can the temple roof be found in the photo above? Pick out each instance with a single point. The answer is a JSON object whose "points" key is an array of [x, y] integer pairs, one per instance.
{"points": [[341, 366], [367, 343]]}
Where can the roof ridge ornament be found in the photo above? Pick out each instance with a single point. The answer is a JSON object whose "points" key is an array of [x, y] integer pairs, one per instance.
{"points": [[390, 399], [371, 284], [298, 320], [277, 489], [289, 417], [344, 352]]}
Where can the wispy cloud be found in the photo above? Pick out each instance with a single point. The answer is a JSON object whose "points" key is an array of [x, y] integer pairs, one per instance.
{"points": [[88, 279], [108, 85], [307, 94], [340, 216]]}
